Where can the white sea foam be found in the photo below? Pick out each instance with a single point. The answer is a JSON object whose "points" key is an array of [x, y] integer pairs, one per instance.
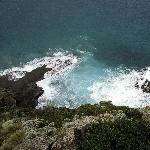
{"points": [[61, 64], [57, 62], [120, 88]]}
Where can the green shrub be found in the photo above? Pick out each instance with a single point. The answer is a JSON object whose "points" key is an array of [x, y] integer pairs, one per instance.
{"points": [[89, 110], [10, 126], [11, 133], [121, 134], [6, 98], [13, 140], [93, 110], [56, 115], [38, 128], [133, 113]]}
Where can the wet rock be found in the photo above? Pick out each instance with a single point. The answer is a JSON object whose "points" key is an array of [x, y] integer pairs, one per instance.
{"points": [[145, 86], [5, 83], [28, 95], [25, 90]]}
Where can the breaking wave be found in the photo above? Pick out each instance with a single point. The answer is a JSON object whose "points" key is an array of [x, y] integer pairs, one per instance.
{"points": [[61, 63], [90, 82], [119, 87]]}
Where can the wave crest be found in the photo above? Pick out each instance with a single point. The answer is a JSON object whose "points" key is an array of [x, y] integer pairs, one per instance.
{"points": [[120, 88]]}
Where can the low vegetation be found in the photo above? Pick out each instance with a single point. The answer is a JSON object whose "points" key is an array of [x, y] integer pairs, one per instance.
{"points": [[123, 134], [101, 126]]}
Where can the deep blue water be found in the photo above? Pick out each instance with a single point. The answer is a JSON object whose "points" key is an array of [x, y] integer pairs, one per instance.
{"points": [[116, 32], [119, 30]]}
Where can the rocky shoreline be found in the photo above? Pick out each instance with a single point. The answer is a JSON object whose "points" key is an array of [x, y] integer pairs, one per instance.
{"points": [[100, 126], [25, 90]]}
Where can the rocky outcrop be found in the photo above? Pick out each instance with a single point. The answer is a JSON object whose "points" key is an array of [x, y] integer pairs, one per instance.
{"points": [[25, 90], [145, 86]]}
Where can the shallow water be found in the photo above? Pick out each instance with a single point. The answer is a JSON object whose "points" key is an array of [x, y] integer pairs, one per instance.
{"points": [[109, 36]]}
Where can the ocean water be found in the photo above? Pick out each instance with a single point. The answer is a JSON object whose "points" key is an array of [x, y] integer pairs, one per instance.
{"points": [[108, 43]]}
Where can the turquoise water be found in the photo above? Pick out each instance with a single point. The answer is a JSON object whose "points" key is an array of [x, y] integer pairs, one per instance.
{"points": [[115, 32]]}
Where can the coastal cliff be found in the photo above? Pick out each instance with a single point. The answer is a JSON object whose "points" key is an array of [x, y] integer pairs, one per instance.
{"points": [[100, 126]]}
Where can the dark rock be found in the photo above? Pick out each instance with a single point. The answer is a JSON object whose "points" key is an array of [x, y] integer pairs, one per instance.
{"points": [[145, 86], [25, 90], [33, 76], [5, 83], [28, 95]]}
